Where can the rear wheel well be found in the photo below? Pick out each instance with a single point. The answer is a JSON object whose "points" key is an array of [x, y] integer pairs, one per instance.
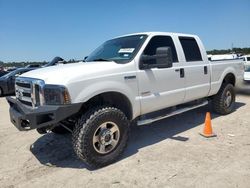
{"points": [[113, 99], [229, 78]]}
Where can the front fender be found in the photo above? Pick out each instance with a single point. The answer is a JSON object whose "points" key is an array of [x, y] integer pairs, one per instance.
{"points": [[94, 89]]}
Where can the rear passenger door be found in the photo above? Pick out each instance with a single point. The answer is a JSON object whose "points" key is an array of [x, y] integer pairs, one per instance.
{"points": [[197, 72]]}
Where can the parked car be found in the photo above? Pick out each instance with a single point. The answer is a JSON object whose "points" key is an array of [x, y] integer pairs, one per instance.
{"points": [[138, 78], [7, 81], [222, 57], [55, 61], [247, 74], [33, 66], [246, 60], [12, 69], [3, 73]]}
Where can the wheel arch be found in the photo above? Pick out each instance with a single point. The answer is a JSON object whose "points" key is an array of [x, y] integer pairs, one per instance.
{"points": [[111, 98], [229, 78]]}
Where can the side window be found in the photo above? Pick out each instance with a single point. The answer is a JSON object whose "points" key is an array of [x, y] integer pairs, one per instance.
{"points": [[160, 41], [190, 48]]}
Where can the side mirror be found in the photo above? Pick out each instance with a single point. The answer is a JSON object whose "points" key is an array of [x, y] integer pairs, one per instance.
{"points": [[162, 59]]}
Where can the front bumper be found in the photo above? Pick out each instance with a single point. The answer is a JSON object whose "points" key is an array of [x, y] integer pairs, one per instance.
{"points": [[25, 118]]}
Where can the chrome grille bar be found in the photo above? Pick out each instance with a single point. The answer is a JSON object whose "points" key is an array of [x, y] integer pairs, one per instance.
{"points": [[29, 91]]}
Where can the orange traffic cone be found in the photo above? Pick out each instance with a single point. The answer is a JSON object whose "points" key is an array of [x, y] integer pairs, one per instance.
{"points": [[207, 131]]}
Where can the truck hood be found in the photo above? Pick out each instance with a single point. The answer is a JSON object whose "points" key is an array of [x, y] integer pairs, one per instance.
{"points": [[62, 74]]}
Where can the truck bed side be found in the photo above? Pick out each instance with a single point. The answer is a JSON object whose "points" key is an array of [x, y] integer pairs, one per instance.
{"points": [[220, 69]]}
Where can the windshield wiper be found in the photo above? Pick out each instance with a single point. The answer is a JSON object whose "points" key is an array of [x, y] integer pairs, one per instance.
{"points": [[100, 59]]}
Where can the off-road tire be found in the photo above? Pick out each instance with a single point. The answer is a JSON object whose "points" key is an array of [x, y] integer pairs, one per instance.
{"points": [[218, 103], [84, 131]]}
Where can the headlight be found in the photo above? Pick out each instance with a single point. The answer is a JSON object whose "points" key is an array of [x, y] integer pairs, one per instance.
{"points": [[56, 95]]}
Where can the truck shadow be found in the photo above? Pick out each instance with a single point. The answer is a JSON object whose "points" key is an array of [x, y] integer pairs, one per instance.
{"points": [[56, 150], [245, 92], [243, 89]]}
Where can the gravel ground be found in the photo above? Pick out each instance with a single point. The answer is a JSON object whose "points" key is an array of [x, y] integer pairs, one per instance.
{"points": [[169, 153]]}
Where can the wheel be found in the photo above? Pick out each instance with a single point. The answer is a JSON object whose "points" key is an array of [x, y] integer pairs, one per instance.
{"points": [[224, 101], [100, 136], [1, 92]]}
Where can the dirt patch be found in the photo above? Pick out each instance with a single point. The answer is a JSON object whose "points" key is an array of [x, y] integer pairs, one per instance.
{"points": [[169, 153]]}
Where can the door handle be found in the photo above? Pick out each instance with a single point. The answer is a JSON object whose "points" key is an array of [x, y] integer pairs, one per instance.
{"points": [[205, 69], [182, 73]]}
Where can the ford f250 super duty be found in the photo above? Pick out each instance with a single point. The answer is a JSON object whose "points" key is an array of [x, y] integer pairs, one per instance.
{"points": [[133, 79]]}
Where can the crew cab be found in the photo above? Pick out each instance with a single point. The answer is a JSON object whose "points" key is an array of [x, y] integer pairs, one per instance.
{"points": [[132, 79]]}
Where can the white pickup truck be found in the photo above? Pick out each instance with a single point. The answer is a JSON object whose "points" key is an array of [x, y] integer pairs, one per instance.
{"points": [[138, 78]]}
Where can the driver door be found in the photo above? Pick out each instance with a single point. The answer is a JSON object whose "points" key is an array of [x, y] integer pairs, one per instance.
{"points": [[161, 87]]}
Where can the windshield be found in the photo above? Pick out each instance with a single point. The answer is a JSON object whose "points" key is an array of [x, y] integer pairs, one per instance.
{"points": [[120, 50]]}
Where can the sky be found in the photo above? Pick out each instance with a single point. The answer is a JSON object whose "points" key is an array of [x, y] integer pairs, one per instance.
{"points": [[38, 30]]}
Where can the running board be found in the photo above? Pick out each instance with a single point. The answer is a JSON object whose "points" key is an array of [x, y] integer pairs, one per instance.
{"points": [[179, 111]]}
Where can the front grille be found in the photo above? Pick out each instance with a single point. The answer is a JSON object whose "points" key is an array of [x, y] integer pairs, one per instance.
{"points": [[28, 91], [37, 94], [23, 91], [26, 94], [21, 84], [26, 102]]}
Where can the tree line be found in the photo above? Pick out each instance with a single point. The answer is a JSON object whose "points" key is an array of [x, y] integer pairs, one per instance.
{"points": [[242, 51], [23, 64]]}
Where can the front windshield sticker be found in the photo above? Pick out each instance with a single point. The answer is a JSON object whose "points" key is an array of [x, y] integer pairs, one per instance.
{"points": [[126, 50]]}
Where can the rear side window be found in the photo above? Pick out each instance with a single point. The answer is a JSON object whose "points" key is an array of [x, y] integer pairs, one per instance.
{"points": [[190, 48], [161, 41]]}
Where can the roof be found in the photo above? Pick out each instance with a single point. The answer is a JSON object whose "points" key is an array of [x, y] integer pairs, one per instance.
{"points": [[158, 33]]}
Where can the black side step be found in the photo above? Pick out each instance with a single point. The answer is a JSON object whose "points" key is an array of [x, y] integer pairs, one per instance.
{"points": [[172, 113]]}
